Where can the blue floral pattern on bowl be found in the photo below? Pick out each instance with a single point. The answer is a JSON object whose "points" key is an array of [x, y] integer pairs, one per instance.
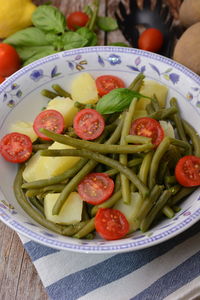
{"points": [[62, 68]]}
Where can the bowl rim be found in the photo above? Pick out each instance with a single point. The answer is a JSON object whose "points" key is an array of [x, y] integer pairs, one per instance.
{"points": [[99, 249]]}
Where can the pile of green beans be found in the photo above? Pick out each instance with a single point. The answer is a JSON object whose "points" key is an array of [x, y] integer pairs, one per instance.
{"points": [[132, 161]]}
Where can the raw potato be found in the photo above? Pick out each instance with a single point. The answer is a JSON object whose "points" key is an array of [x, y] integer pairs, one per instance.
{"points": [[71, 211], [66, 107], [149, 88], [41, 167], [24, 128], [84, 89], [189, 12], [187, 49]]}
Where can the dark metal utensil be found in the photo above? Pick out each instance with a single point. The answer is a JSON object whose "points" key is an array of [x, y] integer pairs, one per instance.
{"points": [[159, 17]]}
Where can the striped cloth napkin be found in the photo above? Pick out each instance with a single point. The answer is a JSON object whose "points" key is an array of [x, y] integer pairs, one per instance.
{"points": [[169, 271]]}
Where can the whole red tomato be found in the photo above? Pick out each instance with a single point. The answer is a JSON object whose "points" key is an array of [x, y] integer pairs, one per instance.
{"points": [[151, 40], [1, 79], [77, 19], [9, 60]]}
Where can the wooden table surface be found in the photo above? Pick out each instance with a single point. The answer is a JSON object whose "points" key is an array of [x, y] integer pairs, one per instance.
{"points": [[18, 277]]}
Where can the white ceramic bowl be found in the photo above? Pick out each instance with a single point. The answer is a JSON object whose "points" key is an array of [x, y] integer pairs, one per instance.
{"points": [[20, 99]]}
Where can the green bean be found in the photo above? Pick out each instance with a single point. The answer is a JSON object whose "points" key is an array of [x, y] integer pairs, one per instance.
{"points": [[70, 230], [170, 179], [34, 201], [132, 163], [149, 201], [104, 160], [37, 147], [180, 143], [177, 120], [60, 91], [145, 167], [91, 146], [194, 136], [147, 221], [57, 179], [108, 203], [162, 171], [89, 236], [123, 159], [137, 82], [85, 215], [176, 208], [168, 212], [183, 192], [150, 109], [155, 103], [36, 216], [162, 148], [49, 94], [51, 188], [88, 228], [84, 171], [80, 105], [117, 183], [163, 113], [137, 139]]}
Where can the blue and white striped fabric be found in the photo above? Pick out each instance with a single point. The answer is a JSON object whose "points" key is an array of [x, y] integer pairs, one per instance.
{"points": [[169, 271]]}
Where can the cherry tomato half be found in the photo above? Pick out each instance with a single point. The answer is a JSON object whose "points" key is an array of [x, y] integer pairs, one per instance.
{"points": [[9, 60], [148, 127], [88, 124], [2, 79], [77, 19], [107, 83], [96, 188], [16, 147], [151, 40], [187, 170], [111, 224], [49, 119]]}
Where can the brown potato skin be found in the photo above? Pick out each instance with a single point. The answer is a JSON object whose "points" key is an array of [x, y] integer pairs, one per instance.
{"points": [[187, 49], [189, 13]]}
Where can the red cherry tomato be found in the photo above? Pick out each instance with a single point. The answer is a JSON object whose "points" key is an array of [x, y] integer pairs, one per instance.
{"points": [[49, 119], [16, 147], [88, 124], [187, 170], [77, 19], [111, 224], [96, 188], [107, 83], [1, 79], [151, 40], [148, 127], [9, 60]]}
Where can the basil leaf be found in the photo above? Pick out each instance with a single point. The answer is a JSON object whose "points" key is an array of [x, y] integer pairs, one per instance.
{"points": [[118, 44], [27, 52], [38, 56], [117, 100], [28, 37], [107, 23], [89, 35], [73, 40], [49, 19]]}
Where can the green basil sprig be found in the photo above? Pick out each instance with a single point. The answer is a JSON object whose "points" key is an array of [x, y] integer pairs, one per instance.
{"points": [[117, 101]]}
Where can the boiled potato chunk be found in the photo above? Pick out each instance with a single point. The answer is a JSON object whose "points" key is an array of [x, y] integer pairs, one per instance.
{"points": [[83, 89], [149, 88], [168, 128], [130, 211], [24, 128], [66, 107], [71, 211], [41, 167], [139, 113]]}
